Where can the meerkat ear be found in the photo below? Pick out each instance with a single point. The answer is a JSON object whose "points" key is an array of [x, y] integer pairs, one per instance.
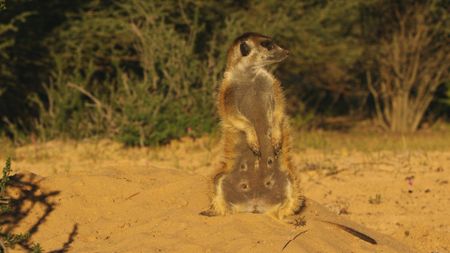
{"points": [[245, 49]]}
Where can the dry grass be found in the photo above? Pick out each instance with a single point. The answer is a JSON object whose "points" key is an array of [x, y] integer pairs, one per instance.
{"points": [[7, 148], [373, 141], [326, 141], [390, 183]]}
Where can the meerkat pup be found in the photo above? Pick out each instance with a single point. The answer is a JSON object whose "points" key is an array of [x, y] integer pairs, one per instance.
{"points": [[256, 174]]}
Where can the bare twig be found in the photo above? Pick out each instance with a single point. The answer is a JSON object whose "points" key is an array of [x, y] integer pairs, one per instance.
{"points": [[293, 238], [132, 195], [87, 93], [104, 110]]}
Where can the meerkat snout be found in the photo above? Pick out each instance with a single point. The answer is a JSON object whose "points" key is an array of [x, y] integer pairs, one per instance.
{"points": [[276, 55]]}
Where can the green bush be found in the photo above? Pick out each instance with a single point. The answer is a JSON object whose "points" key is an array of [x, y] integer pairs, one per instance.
{"points": [[146, 72], [143, 72], [133, 76]]}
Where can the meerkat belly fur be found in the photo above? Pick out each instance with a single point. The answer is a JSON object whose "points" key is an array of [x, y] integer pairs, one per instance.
{"points": [[256, 174]]}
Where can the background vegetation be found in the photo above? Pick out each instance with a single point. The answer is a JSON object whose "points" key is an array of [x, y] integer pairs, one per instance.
{"points": [[145, 72]]}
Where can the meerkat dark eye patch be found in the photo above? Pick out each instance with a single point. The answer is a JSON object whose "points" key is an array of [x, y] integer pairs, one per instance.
{"points": [[245, 49], [268, 44]]}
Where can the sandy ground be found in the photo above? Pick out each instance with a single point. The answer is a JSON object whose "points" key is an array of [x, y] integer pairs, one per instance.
{"points": [[96, 196]]}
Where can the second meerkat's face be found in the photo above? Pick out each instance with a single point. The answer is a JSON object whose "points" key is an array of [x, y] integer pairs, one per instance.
{"points": [[252, 50]]}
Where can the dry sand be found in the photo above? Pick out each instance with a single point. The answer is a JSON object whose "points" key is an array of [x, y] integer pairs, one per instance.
{"points": [[96, 196]]}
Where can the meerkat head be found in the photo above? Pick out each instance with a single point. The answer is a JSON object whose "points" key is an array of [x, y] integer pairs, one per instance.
{"points": [[253, 51]]}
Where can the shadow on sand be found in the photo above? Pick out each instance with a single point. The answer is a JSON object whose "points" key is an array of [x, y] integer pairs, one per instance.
{"points": [[25, 195]]}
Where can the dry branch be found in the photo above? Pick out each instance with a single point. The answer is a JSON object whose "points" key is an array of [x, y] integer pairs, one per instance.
{"points": [[413, 62]]}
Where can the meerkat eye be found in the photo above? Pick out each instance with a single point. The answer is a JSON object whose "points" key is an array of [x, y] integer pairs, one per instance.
{"points": [[268, 44], [245, 49]]}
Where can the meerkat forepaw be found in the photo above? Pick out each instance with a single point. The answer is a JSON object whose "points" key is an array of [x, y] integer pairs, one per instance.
{"points": [[252, 141], [276, 144], [277, 150], [255, 150], [275, 138]]}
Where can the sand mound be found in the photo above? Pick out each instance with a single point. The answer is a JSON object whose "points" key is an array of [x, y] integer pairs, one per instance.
{"points": [[101, 197], [157, 211]]}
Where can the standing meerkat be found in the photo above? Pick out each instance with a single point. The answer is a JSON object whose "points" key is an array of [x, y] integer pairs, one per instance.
{"points": [[256, 174]]}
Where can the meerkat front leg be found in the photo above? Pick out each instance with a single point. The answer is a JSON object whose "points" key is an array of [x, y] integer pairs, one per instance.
{"points": [[275, 132], [277, 118], [234, 120], [241, 123]]}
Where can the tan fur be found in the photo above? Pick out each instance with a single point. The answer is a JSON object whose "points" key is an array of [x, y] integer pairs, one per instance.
{"points": [[234, 125]]}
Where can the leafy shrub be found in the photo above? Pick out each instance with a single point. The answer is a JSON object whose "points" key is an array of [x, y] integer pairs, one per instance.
{"points": [[134, 77], [145, 72], [10, 240]]}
